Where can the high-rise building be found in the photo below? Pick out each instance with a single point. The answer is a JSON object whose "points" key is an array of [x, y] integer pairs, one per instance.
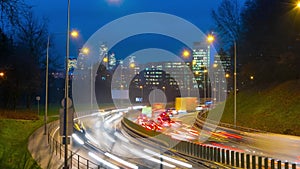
{"points": [[201, 65], [201, 59], [112, 62]]}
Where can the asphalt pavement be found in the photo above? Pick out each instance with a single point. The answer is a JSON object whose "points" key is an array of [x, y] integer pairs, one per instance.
{"points": [[40, 151]]}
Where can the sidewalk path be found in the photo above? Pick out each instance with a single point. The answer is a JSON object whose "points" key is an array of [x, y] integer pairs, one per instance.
{"points": [[40, 150]]}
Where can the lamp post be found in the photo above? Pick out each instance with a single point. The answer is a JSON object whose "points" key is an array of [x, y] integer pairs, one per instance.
{"points": [[142, 93], [74, 34], [210, 39], [66, 106], [86, 51], [234, 84], [204, 86], [215, 66], [46, 87]]}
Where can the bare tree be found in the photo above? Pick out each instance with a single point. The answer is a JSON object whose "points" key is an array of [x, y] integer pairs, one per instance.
{"points": [[228, 20], [33, 34], [11, 11], [31, 46]]}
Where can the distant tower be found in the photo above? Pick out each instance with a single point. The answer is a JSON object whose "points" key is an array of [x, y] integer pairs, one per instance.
{"points": [[103, 50], [112, 62]]}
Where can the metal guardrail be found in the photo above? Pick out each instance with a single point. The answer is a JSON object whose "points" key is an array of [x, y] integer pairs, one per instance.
{"points": [[166, 142], [219, 156], [75, 160]]}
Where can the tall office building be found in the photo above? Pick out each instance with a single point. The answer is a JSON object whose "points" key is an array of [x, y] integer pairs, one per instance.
{"points": [[201, 64], [112, 62], [201, 59]]}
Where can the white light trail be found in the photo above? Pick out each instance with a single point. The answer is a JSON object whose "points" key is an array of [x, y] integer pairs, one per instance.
{"points": [[169, 159], [109, 137], [77, 139], [121, 137], [103, 161], [147, 157], [121, 161], [89, 137]]}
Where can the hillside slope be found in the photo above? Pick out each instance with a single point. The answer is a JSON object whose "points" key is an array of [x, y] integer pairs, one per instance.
{"points": [[275, 108]]}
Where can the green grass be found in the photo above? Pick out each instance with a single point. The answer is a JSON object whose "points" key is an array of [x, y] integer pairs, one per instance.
{"points": [[275, 108], [14, 134], [13, 143]]}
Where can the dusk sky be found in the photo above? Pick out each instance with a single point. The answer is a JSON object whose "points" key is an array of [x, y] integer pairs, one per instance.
{"points": [[89, 16]]}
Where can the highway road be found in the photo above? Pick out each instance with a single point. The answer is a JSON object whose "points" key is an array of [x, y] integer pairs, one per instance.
{"points": [[108, 144], [276, 146], [108, 141]]}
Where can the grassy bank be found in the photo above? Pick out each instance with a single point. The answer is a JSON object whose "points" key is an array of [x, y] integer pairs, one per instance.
{"points": [[275, 108], [15, 129], [13, 143]]}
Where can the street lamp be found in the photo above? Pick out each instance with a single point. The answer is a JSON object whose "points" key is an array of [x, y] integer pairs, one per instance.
{"points": [[186, 53], [86, 51], [142, 94], [1, 74], [215, 65], [66, 106], [105, 59], [234, 83], [74, 34], [132, 65], [204, 86], [210, 39]]}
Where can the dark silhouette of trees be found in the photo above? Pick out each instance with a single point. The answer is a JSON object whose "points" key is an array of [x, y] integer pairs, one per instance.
{"points": [[228, 21], [11, 12], [22, 57], [268, 39]]}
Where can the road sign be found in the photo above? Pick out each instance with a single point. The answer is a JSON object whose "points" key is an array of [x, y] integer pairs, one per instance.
{"points": [[70, 103], [69, 123]]}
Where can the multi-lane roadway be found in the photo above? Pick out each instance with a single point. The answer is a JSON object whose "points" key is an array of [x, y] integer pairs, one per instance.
{"points": [[105, 142]]}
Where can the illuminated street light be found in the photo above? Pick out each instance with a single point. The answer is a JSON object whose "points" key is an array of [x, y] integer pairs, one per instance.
{"points": [[227, 75], [85, 50], [142, 92], [131, 65], [74, 33], [194, 62], [251, 77], [215, 65], [204, 86], [186, 53], [298, 4], [105, 59], [210, 38], [2, 74]]}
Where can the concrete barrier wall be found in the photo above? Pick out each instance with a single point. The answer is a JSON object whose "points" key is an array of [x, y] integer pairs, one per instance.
{"points": [[208, 153]]}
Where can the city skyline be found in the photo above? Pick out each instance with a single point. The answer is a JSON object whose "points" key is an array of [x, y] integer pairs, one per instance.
{"points": [[87, 18]]}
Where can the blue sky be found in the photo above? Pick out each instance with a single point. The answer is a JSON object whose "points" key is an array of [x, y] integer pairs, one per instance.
{"points": [[89, 16]]}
